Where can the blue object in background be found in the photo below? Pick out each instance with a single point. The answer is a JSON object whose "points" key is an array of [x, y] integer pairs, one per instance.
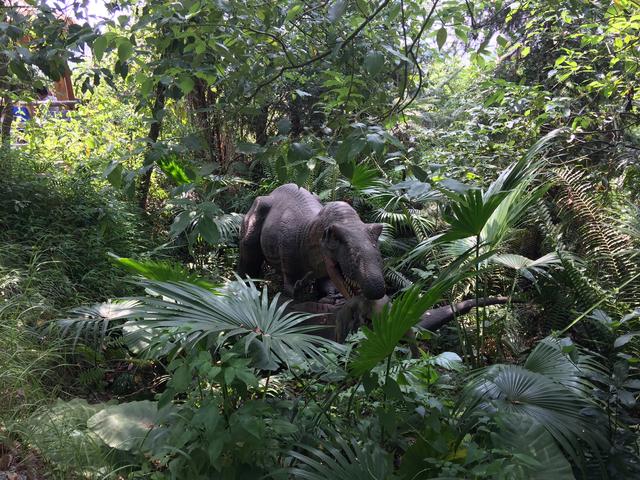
{"points": [[21, 114]]}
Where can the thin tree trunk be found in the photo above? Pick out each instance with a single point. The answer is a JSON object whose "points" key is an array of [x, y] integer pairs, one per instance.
{"points": [[154, 133], [7, 120]]}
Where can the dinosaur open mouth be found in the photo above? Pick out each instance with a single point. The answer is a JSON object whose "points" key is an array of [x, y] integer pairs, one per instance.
{"points": [[345, 285]]}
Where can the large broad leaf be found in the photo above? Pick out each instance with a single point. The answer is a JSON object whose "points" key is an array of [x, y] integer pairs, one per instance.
{"points": [[548, 359], [526, 266], [373, 62], [208, 229], [534, 450], [99, 46], [125, 426], [337, 9], [59, 432]]}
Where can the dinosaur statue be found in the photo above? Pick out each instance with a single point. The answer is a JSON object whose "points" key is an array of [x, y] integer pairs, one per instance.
{"points": [[305, 241], [330, 247]]}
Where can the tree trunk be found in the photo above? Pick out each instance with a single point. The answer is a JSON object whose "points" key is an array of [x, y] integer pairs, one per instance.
{"points": [[295, 116], [260, 125], [154, 133], [7, 120]]}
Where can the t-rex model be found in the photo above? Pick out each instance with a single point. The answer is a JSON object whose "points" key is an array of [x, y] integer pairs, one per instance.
{"points": [[304, 241], [330, 245]]}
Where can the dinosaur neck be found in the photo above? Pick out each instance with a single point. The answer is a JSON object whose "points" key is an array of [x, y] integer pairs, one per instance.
{"points": [[311, 235]]}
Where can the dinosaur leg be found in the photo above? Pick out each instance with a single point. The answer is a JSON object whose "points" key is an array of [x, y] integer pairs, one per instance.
{"points": [[251, 255]]}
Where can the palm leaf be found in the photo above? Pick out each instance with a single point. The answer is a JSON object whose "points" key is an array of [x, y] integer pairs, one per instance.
{"points": [[161, 271], [469, 213], [239, 312], [525, 438], [549, 391], [95, 322], [525, 167], [391, 324], [510, 389], [548, 359], [342, 461], [527, 267]]}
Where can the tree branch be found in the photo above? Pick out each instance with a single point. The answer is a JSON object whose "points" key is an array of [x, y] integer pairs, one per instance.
{"points": [[321, 55]]}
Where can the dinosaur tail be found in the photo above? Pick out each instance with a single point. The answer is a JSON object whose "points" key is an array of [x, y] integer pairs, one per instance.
{"points": [[438, 317]]}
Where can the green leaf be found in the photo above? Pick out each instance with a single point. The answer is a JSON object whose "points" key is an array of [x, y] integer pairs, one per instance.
{"points": [[362, 177], [161, 271], [340, 460], [125, 426], [181, 378], [528, 440], [113, 173], [349, 149], [99, 46], [180, 173], [238, 313], [181, 222], [209, 230], [215, 445], [441, 37], [336, 10], [392, 390], [392, 323], [624, 339], [125, 49], [294, 11], [373, 62], [249, 148], [300, 151], [19, 69], [284, 126], [347, 169], [186, 84]]}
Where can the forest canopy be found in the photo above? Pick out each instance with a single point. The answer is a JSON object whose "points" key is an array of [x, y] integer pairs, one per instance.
{"points": [[490, 150]]}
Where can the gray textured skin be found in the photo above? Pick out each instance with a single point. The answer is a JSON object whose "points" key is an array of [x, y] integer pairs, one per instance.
{"points": [[303, 240]]}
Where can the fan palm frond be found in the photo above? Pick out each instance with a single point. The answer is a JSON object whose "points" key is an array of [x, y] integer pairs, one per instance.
{"points": [[548, 359], [238, 312], [549, 391], [523, 437], [342, 461], [525, 266], [95, 322], [490, 216]]}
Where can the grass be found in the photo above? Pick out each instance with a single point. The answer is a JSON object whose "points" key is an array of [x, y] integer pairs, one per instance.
{"points": [[56, 229]]}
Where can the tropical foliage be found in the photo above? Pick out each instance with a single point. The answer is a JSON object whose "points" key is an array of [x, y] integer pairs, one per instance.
{"points": [[497, 143]]}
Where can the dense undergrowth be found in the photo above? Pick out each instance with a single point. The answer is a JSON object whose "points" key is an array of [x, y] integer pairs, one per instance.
{"points": [[497, 143]]}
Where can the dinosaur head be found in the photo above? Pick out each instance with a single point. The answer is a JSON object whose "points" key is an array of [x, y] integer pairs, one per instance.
{"points": [[350, 250]]}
